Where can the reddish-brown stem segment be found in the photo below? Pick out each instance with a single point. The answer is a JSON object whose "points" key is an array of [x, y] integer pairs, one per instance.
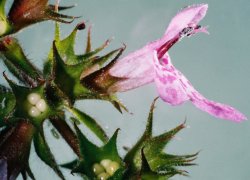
{"points": [[67, 133]]}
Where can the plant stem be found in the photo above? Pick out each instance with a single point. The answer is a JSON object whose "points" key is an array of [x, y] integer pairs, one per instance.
{"points": [[67, 133]]}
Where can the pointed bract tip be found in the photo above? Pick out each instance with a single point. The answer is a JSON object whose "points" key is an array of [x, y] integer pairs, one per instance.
{"points": [[81, 26]]}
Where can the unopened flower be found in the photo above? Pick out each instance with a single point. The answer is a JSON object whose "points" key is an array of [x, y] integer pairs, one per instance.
{"points": [[26, 12]]}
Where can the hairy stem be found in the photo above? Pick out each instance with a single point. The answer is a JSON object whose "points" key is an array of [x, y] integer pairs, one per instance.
{"points": [[67, 133]]}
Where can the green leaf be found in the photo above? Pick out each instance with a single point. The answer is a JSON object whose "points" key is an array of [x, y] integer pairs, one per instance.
{"points": [[17, 63], [7, 103], [44, 153], [89, 122]]}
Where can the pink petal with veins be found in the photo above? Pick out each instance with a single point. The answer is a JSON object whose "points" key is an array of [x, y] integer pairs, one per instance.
{"points": [[217, 109], [167, 81], [187, 17], [174, 88], [152, 63], [137, 66]]}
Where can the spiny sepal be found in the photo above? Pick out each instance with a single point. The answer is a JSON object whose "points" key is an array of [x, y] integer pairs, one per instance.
{"points": [[44, 153], [68, 69], [5, 25], [67, 77], [28, 173], [17, 62], [100, 80], [97, 161], [89, 122], [65, 48], [30, 103], [27, 12], [148, 152], [7, 104], [146, 173]]}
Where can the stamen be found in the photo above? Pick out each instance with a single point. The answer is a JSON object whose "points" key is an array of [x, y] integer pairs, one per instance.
{"points": [[188, 31]]}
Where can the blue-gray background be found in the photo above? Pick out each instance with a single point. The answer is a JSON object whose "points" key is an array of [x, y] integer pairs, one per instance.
{"points": [[217, 65]]}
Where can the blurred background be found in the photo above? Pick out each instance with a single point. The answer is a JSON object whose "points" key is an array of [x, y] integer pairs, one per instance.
{"points": [[216, 64]]}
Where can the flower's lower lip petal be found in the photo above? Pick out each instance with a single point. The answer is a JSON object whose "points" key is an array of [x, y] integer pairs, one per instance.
{"points": [[168, 83], [174, 88], [217, 109]]}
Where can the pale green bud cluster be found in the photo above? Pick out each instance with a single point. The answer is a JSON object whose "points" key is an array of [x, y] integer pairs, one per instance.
{"points": [[38, 104], [105, 168]]}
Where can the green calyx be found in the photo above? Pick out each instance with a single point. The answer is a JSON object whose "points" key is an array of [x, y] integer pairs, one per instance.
{"points": [[5, 27], [97, 161], [67, 69], [147, 159], [30, 103], [28, 12], [49, 94]]}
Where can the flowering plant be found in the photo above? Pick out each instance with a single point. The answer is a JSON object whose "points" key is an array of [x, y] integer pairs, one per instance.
{"points": [[67, 77]]}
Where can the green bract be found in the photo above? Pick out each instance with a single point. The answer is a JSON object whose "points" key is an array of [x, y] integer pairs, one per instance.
{"points": [[146, 160]]}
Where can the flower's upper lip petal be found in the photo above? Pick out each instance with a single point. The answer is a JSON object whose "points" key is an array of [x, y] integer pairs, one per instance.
{"points": [[134, 64], [186, 17], [136, 69]]}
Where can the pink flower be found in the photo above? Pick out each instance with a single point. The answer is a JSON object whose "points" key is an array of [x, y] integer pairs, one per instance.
{"points": [[152, 64]]}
